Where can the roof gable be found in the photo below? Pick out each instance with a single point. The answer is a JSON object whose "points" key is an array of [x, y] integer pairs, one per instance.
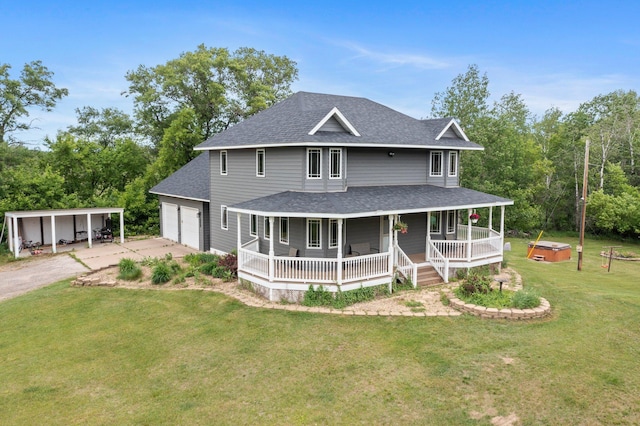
{"points": [[327, 123], [452, 130]]}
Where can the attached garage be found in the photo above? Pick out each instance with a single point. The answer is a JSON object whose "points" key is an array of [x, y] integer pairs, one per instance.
{"points": [[170, 221], [184, 202]]}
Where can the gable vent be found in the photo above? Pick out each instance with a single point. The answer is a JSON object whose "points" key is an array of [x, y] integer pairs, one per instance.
{"points": [[334, 121]]}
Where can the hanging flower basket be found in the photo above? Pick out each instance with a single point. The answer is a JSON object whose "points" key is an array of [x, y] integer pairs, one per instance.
{"points": [[401, 226], [474, 217]]}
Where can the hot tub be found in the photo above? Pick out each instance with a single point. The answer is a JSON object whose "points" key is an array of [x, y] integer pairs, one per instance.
{"points": [[550, 251]]}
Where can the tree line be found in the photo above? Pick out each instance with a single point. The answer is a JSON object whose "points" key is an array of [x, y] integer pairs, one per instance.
{"points": [[111, 158]]}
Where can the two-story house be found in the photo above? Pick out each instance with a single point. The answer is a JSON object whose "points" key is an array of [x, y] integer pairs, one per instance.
{"points": [[336, 191]]}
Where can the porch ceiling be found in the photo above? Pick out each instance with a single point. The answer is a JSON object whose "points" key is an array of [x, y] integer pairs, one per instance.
{"points": [[368, 201]]}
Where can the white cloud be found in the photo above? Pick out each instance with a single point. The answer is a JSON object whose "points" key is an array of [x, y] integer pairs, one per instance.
{"points": [[396, 59]]}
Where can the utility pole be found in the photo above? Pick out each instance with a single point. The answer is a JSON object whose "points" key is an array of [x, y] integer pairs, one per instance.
{"points": [[584, 204]]}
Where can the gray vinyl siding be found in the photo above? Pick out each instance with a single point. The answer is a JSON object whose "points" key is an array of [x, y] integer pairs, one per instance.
{"points": [[364, 230], [332, 125], [373, 167], [414, 241], [325, 183], [201, 206]]}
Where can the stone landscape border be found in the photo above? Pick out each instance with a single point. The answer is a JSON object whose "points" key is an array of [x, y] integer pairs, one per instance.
{"points": [[507, 313]]}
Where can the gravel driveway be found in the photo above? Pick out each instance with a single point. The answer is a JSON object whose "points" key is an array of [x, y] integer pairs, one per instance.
{"points": [[20, 277]]}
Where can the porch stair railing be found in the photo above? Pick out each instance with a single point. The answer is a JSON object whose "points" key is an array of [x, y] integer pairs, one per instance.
{"points": [[439, 262], [405, 266]]}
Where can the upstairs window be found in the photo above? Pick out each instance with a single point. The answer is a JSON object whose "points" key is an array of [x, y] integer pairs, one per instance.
{"points": [[453, 164], [260, 163], [335, 163], [223, 163], [436, 163], [314, 163]]}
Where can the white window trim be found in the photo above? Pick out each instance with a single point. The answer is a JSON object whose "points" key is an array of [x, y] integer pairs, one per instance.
{"points": [[253, 219], [331, 224], [319, 222], [264, 163], [282, 240], [319, 150], [224, 217], [453, 155], [267, 225], [431, 173], [224, 170], [331, 151], [453, 221], [438, 216]]}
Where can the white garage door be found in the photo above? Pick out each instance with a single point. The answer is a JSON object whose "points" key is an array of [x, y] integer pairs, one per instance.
{"points": [[190, 227], [170, 221]]}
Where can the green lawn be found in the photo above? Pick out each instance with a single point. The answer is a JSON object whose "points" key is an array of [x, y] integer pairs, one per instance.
{"points": [[115, 356]]}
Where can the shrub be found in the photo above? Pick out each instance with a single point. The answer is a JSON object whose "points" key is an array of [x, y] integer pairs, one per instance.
{"points": [[229, 262], [317, 297], [208, 268], [196, 259], [129, 269], [525, 299], [161, 273], [476, 283]]}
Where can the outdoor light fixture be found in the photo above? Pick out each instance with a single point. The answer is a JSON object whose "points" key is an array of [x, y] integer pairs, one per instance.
{"points": [[391, 153]]}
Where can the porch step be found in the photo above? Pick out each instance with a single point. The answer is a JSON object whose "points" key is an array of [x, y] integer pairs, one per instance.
{"points": [[427, 276]]}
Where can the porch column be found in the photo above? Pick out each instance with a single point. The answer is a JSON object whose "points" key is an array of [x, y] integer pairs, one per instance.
{"points": [[121, 227], [490, 219], [271, 251], [340, 244], [392, 243], [239, 233], [427, 249], [53, 234], [468, 235], [89, 230], [14, 236], [502, 228]]}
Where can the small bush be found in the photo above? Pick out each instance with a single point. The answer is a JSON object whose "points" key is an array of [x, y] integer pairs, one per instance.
{"points": [[317, 297], [196, 259], [476, 283], [230, 263], [525, 299], [161, 273], [129, 269]]}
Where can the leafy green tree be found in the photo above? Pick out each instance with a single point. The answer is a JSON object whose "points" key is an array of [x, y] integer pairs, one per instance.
{"points": [[103, 126], [219, 86], [34, 88]]}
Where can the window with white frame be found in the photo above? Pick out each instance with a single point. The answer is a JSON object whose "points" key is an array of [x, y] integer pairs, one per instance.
{"points": [[260, 163], [453, 163], [435, 222], [335, 163], [253, 227], [267, 229], [333, 233], [451, 222], [436, 163], [314, 231], [224, 217], [223, 163], [314, 163], [284, 230]]}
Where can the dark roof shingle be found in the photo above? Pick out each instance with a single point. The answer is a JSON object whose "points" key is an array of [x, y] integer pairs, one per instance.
{"points": [[191, 181]]}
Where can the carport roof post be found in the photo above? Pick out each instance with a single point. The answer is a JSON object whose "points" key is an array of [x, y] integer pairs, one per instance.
{"points": [[13, 217]]}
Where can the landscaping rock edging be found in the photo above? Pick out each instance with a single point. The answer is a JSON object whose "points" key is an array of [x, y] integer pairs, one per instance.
{"points": [[507, 313]]}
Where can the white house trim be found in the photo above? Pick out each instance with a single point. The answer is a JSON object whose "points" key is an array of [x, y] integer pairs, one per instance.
{"points": [[335, 112], [456, 128], [341, 144]]}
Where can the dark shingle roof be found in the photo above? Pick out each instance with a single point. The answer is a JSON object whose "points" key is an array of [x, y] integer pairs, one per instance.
{"points": [[373, 200], [191, 181], [290, 121]]}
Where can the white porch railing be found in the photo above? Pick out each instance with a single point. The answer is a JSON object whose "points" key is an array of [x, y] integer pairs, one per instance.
{"points": [[312, 270], [463, 250], [405, 266], [477, 232], [438, 261]]}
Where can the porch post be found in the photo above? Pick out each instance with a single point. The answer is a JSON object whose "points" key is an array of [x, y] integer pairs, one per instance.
{"points": [[340, 244], [89, 230], [16, 243], [239, 232], [392, 244], [490, 219], [122, 227], [501, 228], [271, 251], [468, 235], [53, 234], [427, 250]]}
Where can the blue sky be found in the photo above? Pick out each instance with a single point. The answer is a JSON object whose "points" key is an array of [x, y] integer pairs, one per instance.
{"points": [[398, 53]]}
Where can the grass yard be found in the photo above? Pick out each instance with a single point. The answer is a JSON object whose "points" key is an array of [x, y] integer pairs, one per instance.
{"points": [[116, 356]]}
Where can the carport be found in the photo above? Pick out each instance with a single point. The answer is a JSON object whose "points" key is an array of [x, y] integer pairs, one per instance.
{"points": [[49, 225]]}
